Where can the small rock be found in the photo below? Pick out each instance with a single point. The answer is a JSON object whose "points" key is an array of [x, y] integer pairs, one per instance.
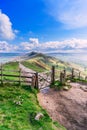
{"points": [[84, 89], [66, 88], [18, 102], [68, 81], [38, 116]]}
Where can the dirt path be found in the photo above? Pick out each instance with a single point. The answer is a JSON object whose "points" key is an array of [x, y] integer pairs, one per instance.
{"points": [[67, 107]]}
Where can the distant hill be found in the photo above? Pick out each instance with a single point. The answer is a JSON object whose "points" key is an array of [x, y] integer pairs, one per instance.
{"points": [[41, 62]]}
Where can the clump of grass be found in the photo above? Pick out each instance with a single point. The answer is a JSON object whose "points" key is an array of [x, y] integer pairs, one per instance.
{"points": [[58, 85]]}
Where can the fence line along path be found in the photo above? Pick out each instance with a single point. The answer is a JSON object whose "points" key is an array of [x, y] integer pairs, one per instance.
{"points": [[15, 76]]}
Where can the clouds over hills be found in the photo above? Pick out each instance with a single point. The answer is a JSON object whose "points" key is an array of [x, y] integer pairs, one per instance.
{"points": [[70, 45], [71, 13]]}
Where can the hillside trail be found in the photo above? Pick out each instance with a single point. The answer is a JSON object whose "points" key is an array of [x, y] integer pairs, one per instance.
{"points": [[67, 107]]}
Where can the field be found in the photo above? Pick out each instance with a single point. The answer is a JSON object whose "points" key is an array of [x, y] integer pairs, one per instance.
{"points": [[19, 106]]}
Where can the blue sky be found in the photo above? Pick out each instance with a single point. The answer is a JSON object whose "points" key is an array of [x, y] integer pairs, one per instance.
{"points": [[43, 25]]}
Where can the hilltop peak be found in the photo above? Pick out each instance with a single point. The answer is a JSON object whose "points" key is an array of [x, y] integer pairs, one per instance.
{"points": [[33, 53]]}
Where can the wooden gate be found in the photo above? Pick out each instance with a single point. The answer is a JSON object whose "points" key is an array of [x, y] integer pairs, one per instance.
{"points": [[39, 80], [44, 80]]}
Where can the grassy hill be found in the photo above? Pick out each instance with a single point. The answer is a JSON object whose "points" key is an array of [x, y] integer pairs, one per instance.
{"points": [[41, 62]]}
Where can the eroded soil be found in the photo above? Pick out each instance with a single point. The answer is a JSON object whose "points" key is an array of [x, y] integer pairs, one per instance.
{"points": [[67, 107]]}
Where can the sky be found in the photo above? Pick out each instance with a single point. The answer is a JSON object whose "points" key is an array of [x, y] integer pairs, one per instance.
{"points": [[43, 25]]}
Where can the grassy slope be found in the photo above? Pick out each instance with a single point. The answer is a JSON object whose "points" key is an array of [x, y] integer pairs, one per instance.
{"points": [[21, 117], [42, 63]]}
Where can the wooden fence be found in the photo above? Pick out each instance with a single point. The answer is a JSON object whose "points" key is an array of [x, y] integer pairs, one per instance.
{"points": [[64, 74], [34, 79], [37, 80], [13, 76]]}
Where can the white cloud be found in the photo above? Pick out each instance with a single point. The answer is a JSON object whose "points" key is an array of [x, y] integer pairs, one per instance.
{"points": [[6, 31], [72, 13], [6, 47], [70, 45], [26, 46], [60, 46], [31, 44], [34, 41]]}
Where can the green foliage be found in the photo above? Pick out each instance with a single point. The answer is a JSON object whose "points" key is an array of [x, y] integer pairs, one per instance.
{"points": [[58, 85], [18, 107]]}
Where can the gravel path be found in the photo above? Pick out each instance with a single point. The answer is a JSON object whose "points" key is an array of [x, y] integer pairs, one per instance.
{"points": [[67, 107]]}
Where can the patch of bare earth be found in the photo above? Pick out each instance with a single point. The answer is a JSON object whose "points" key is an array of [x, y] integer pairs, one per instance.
{"points": [[67, 107]]}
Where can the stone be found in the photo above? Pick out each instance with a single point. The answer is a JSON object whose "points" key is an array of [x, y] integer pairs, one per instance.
{"points": [[38, 116], [68, 81], [66, 88], [84, 89]]}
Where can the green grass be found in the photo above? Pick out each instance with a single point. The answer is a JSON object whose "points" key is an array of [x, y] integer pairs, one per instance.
{"points": [[79, 80], [11, 66], [8, 68], [33, 66], [14, 116]]}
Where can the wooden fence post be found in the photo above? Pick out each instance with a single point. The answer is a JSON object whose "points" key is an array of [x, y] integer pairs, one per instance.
{"points": [[53, 74], [19, 76], [36, 81], [62, 78], [33, 81], [72, 76], [1, 75], [79, 75]]}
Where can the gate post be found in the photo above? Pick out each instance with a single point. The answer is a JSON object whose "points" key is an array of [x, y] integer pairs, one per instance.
{"points": [[53, 74], [36, 81], [33, 81], [72, 73]]}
